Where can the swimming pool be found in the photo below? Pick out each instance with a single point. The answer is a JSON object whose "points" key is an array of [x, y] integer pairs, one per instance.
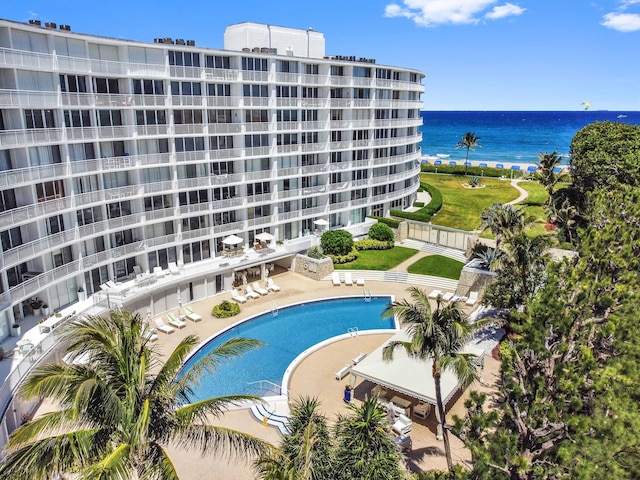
{"points": [[289, 333]]}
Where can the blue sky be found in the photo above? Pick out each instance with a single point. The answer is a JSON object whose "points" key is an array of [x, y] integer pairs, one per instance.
{"points": [[476, 54]]}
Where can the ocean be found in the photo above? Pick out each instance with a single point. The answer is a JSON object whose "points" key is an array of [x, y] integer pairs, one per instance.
{"points": [[509, 136]]}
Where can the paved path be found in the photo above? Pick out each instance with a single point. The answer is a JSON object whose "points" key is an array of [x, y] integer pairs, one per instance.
{"points": [[523, 193]]}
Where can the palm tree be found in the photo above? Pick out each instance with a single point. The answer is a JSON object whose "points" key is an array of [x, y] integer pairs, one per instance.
{"points": [[439, 336], [547, 176], [305, 453], [469, 141], [364, 445], [502, 220], [120, 410]]}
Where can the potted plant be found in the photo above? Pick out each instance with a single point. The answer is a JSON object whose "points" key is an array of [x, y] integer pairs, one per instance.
{"points": [[36, 305], [17, 331], [82, 296], [45, 309]]}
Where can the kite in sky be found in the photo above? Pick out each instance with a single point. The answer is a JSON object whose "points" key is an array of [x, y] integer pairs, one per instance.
{"points": [[586, 105]]}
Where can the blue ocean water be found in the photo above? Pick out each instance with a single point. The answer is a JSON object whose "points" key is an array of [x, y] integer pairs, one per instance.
{"points": [[510, 136], [286, 335]]}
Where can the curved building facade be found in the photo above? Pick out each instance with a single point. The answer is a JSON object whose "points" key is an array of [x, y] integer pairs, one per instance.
{"points": [[118, 158]]}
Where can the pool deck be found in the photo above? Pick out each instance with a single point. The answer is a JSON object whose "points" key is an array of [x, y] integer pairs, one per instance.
{"points": [[314, 376]]}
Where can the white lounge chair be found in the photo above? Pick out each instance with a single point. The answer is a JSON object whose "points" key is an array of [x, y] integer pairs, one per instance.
{"points": [[335, 278], [435, 293], [248, 291], [340, 374], [191, 315], [137, 270], [402, 425], [175, 322], [359, 358], [236, 296], [158, 272], [360, 282], [272, 286], [447, 296], [173, 268], [256, 287], [473, 298], [150, 334], [347, 278], [163, 327]]}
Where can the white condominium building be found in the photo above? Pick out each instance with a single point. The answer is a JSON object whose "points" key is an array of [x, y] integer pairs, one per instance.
{"points": [[118, 158]]}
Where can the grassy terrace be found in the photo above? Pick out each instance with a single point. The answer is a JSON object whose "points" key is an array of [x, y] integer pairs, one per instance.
{"points": [[378, 259]]}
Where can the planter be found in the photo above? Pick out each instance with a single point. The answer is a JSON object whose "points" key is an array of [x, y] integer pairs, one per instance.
{"points": [[82, 296], [45, 311], [36, 312], [16, 330]]}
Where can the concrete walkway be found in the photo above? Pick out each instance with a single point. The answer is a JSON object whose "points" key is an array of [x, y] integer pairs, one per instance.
{"points": [[523, 193]]}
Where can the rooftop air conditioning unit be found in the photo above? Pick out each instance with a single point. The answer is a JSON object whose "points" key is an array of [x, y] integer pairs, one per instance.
{"points": [[246, 49], [179, 41], [65, 27], [50, 25], [256, 49], [35, 22], [168, 40], [191, 43], [158, 40]]}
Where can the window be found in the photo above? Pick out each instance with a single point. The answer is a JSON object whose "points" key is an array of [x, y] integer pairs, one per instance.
{"points": [[259, 64], [184, 59], [218, 90], [195, 223], [384, 73], [336, 115], [86, 184], [286, 91], [259, 140], [380, 152], [106, 85], [187, 117], [362, 93], [259, 211], [310, 159], [224, 193], [309, 137], [337, 70], [259, 188], [336, 157], [287, 139], [360, 134], [220, 116], [196, 251], [86, 216], [222, 218], [413, 77], [311, 69], [255, 90], [336, 135], [73, 84], [383, 94], [337, 93], [362, 72], [158, 202], [221, 168], [216, 61], [287, 115], [7, 200], [360, 154], [359, 175], [221, 143], [109, 118], [309, 115], [44, 155], [193, 89], [11, 238], [76, 118], [189, 144], [381, 133], [39, 118], [309, 92], [162, 257], [194, 197], [382, 114], [55, 224], [50, 190], [286, 66], [119, 209], [256, 116], [151, 117], [148, 87]]}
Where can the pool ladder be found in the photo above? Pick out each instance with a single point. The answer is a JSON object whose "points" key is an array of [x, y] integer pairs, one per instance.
{"points": [[274, 309], [353, 332], [367, 295]]}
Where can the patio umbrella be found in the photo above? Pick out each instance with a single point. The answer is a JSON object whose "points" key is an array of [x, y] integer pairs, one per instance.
{"points": [[232, 240], [264, 237], [321, 222]]}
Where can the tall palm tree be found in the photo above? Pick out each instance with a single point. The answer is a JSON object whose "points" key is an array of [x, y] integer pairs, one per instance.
{"points": [[439, 336], [120, 410], [306, 451], [364, 445], [468, 141], [503, 220], [548, 177]]}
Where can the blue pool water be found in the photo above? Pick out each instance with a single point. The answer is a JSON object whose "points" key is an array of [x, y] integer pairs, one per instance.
{"points": [[286, 335]]}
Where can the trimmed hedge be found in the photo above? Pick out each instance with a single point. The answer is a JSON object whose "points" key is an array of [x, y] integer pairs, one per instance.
{"points": [[370, 244], [225, 309], [476, 171], [349, 257], [426, 212], [418, 204], [387, 221]]}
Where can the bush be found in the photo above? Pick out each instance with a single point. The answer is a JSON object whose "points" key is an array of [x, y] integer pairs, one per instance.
{"points": [[382, 232], [369, 244], [225, 309], [315, 252], [349, 257], [387, 221], [337, 243], [426, 212]]}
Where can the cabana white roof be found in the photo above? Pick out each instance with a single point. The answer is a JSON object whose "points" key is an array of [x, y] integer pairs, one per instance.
{"points": [[408, 375]]}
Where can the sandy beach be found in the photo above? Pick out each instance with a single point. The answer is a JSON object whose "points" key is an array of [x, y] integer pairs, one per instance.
{"points": [[445, 161]]}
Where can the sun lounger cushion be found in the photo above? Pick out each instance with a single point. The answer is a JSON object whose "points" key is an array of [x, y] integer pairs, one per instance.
{"points": [[435, 293], [237, 296], [191, 315], [335, 278], [272, 286], [163, 327], [347, 278], [447, 296], [175, 322], [473, 298], [259, 289], [340, 374], [360, 282]]}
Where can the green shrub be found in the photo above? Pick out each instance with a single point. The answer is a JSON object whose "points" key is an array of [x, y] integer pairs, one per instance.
{"points": [[336, 242], [387, 221], [369, 244], [426, 212], [349, 257], [382, 232], [315, 252], [418, 204], [225, 309], [474, 181]]}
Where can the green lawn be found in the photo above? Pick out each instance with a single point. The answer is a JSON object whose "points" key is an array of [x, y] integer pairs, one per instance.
{"points": [[533, 203], [461, 207], [378, 259], [437, 266]]}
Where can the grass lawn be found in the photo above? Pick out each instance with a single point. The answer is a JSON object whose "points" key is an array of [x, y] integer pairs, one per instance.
{"points": [[378, 259], [461, 207], [437, 266], [533, 203]]}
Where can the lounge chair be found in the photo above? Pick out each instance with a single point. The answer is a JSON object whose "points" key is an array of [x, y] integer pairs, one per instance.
{"points": [[473, 298], [249, 292], [236, 296], [422, 410], [272, 286], [262, 291], [137, 270], [175, 322], [379, 392], [435, 293], [173, 268], [359, 358], [163, 327], [402, 425], [335, 278], [447, 296], [340, 374], [347, 278], [158, 272], [150, 334], [360, 282], [191, 315]]}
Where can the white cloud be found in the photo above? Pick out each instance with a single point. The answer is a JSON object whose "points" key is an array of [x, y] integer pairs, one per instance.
{"points": [[429, 13], [506, 10], [623, 22]]}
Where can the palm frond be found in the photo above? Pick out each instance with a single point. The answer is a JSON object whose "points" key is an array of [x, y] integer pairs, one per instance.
{"points": [[226, 441]]}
